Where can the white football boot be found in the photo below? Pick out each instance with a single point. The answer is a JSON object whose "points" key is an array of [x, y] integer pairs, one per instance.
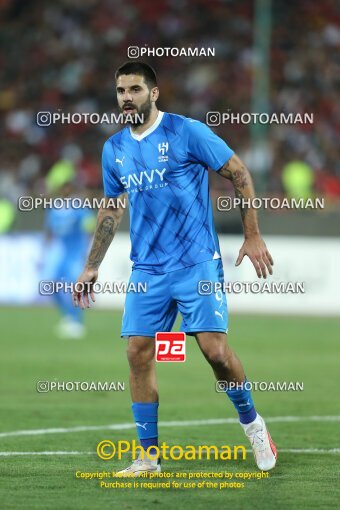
{"points": [[263, 447], [141, 466], [69, 329]]}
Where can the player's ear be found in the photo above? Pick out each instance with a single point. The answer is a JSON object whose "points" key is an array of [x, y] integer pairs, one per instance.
{"points": [[154, 94]]}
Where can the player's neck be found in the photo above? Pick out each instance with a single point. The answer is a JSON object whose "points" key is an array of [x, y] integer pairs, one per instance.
{"points": [[139, 130]]}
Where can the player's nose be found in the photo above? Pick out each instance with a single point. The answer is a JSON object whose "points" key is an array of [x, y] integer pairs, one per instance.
{"points": [[127, 98]]}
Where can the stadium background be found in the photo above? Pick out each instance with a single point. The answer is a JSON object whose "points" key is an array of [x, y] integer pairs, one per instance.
{"points": [[276, 57]]}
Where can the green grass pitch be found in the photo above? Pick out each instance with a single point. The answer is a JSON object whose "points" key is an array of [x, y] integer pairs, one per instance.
{"points": [[271, 349]]}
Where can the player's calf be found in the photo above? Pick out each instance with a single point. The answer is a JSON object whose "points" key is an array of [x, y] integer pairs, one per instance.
{"points": [[220, 356]]}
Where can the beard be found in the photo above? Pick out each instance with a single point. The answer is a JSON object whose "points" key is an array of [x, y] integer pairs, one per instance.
{"points": [[143, 111]]}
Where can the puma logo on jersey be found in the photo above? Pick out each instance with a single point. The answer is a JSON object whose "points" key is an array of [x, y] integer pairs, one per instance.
{"points": [[120, 160]]}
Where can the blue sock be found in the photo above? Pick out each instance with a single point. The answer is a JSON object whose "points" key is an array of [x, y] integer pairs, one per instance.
{"points": [[146, 418], [243, 402]]}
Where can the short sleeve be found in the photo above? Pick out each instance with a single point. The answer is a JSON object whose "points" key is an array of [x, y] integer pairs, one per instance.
{"points": [[205, 147], [112, 186]]}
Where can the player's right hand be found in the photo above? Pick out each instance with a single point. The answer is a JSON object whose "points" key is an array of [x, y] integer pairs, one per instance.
{"points": [[84, 289]]}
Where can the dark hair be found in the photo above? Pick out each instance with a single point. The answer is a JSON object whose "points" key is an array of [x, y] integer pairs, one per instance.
{"points": [[141, 69]]}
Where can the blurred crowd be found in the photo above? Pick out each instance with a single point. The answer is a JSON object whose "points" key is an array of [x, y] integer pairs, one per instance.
{"points": [[61, 56]]}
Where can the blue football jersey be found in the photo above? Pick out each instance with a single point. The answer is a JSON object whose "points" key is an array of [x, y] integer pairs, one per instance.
{"points": [[164, 172]]}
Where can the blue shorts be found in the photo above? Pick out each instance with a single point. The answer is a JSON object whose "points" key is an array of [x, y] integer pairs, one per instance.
{"points": [[178, 291]]}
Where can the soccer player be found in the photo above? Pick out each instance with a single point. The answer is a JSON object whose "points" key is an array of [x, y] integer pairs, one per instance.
{"points": [[67, 241], [162, 163]]}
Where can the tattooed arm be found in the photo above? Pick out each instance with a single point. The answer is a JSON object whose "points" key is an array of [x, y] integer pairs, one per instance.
{"points": [[108, 220], [254, 246]]}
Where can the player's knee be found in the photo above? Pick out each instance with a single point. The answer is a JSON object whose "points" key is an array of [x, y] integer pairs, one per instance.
{"points": [[218, 355], [140, 352], [217, 360]]}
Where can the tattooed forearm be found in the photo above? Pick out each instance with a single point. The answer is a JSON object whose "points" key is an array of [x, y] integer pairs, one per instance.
{"points": [[107, 224], [240, 178], [102, 240], [243, 206], [239, 175]]}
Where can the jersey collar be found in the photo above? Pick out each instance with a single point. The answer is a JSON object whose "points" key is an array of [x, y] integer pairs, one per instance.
{"points": [[150, 130]]}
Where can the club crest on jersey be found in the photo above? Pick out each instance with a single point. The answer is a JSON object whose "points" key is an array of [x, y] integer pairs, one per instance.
{"points": [[163, 149]]}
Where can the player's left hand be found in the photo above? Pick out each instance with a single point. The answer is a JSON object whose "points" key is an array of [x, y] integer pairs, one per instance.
{"points": [[86, 281], [255, 248]]}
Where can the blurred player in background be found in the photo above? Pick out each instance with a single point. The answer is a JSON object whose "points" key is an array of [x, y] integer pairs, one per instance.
{"points": [[67, 241], [162, 164]]}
